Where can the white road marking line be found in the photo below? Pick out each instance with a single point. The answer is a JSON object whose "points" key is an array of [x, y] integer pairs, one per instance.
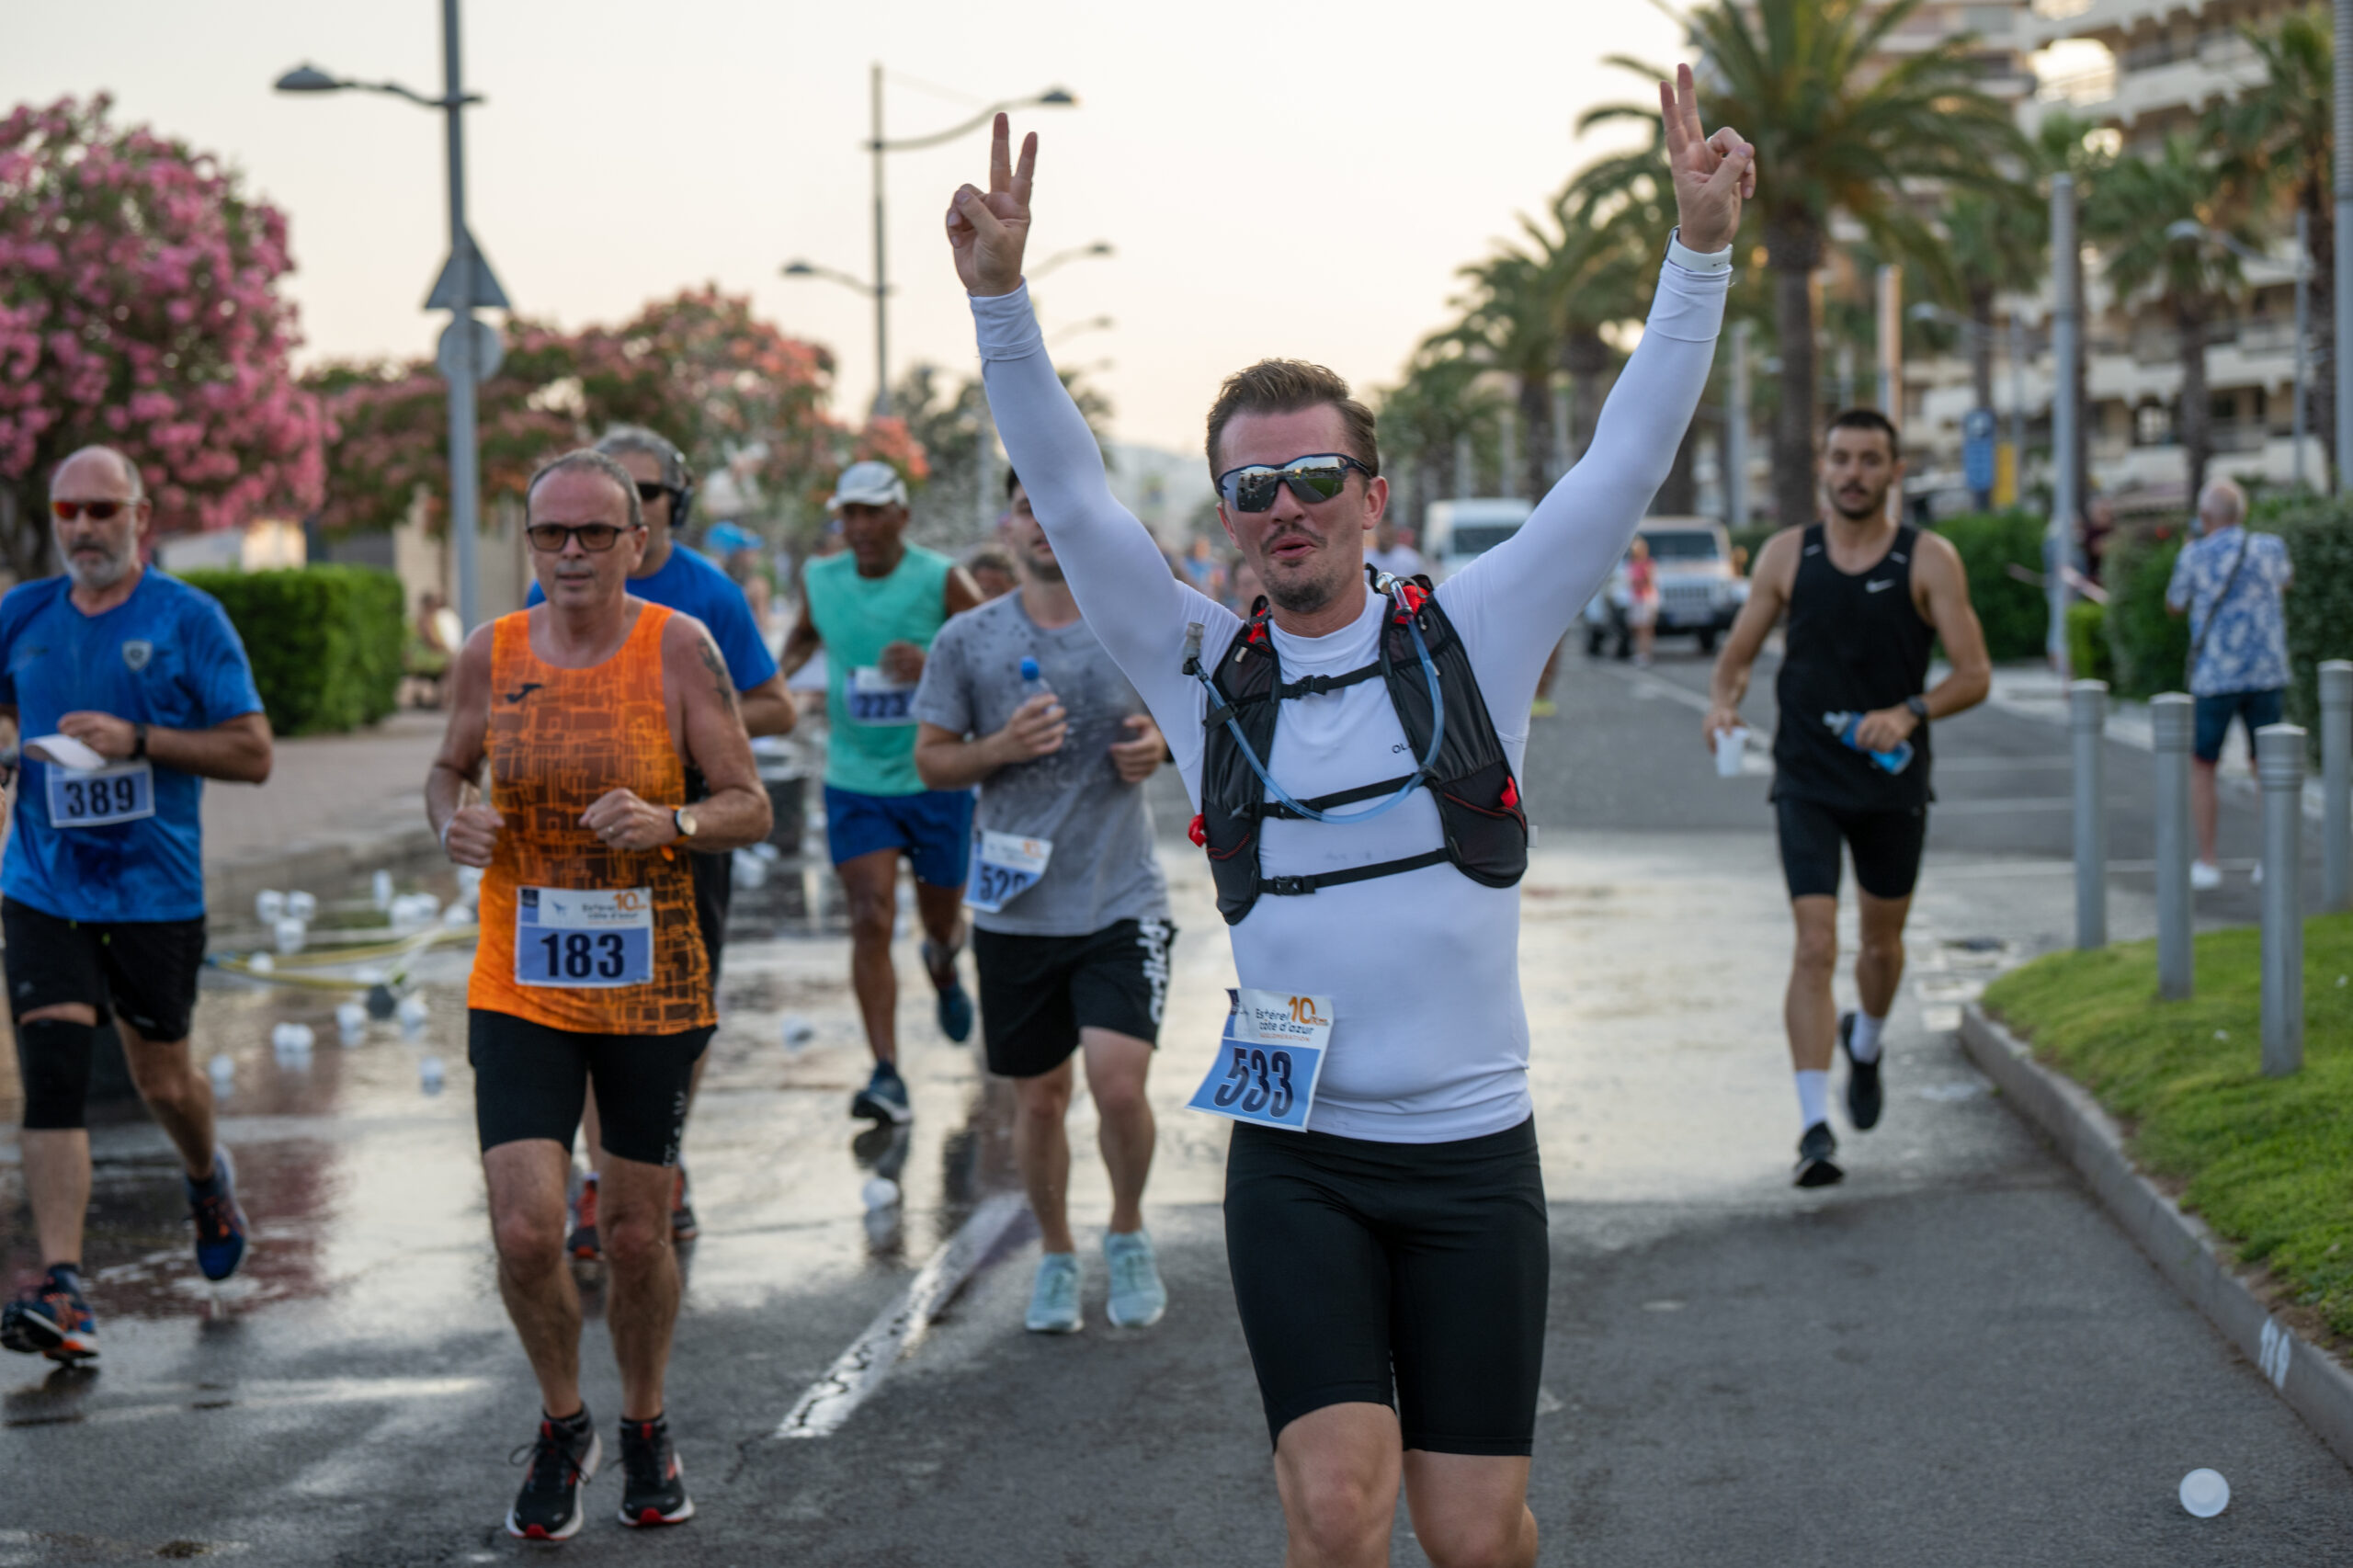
{"points": [[859, 1371]]}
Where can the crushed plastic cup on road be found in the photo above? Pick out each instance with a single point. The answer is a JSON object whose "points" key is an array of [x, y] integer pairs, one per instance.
{"points": [[351, 1021], [380, 889], [798, 1031], [429, 1075], [411, 1015], [269, 906], [750, 871], [881, 1192], [222, 1070], [290, 934], [261, 964], [302, 907], [2204, 1493]]}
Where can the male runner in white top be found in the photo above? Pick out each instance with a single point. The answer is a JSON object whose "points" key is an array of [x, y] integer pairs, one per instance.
{"points": [[1400, 1235]]}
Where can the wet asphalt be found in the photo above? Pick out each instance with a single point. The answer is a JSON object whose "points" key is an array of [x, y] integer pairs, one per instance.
{"points": [[1954, 1358]]}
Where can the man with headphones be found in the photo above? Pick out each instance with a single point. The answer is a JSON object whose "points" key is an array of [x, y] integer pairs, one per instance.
{"points": [[677, 578]]}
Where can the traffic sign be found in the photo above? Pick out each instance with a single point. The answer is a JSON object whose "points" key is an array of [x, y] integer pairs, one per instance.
{"points": [[1977, 449], [489, 351]]}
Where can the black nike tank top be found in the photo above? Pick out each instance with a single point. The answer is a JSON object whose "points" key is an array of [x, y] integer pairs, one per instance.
{"points": [[1853, 643]]}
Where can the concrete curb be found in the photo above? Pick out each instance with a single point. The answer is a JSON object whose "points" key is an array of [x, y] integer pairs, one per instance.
{"points": [[2184, 1250]]}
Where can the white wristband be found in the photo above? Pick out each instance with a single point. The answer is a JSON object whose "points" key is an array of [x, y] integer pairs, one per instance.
{"points": [[1702, 262]]}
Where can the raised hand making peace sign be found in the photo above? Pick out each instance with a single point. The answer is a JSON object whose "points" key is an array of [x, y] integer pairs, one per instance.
{"points": [[987, 232], [1713, 175]]}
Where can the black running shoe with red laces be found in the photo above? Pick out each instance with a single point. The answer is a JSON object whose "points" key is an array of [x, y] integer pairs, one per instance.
{"points": [[562, 1459], [653, 1487], [53, 1320]]}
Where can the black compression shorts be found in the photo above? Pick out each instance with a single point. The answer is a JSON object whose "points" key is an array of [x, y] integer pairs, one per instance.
{"points": [[141, 971], [1406, 1273], [531, 1081], [1886, 847], [1037, 993]]}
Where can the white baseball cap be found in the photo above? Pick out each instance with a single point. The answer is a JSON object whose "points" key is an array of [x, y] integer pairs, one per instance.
{"points": [[868, 483]]}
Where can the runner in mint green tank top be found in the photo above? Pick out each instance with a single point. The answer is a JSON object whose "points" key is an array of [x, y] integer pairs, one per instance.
{"points": [[874, 608]]}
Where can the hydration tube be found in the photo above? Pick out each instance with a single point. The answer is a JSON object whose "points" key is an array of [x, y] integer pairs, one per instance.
{"points": [[1438, 734]]}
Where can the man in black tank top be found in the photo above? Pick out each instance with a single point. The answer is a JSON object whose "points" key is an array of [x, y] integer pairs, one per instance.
{"points": [[1866, 600]]}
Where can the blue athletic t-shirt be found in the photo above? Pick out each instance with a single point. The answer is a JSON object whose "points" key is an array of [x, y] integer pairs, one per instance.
{"points": [[691, 584], [166, 656]]}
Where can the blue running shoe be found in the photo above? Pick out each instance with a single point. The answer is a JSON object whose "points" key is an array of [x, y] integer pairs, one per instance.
{"points": [[955, 1007], [53, 1320], [1138, 1298], [1053, 1298], [885, 1098], [220, 1222]]}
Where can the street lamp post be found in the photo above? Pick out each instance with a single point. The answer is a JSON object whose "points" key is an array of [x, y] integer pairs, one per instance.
{"points": [[466, 284], [2190, 229], [2064, 346], [2343, 347], [877, 144]]}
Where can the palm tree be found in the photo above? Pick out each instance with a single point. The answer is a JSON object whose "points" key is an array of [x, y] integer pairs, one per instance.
{"points": [[1438, 407], [2132, 212], [1997, 244], [1836, 136], [2279, 136]]}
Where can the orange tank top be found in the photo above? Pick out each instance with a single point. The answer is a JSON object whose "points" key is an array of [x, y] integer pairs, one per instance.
{"points": [[575, 935]]}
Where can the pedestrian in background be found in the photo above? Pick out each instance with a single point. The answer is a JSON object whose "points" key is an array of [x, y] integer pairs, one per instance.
{"points": [[991, 568], [2231, 583]]}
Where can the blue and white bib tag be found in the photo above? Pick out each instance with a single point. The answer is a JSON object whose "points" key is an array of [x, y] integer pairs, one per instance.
{"points": [[1269, 1059]]}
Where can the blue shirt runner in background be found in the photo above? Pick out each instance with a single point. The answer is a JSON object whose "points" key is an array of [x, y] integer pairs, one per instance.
{"points": [[165, 656]]}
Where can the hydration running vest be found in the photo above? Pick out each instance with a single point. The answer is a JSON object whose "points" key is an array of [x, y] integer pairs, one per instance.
{"points": [[1478, 801]]}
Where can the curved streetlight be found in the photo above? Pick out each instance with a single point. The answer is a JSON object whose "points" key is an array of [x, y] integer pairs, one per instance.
{"points": [[465, 284], [2189, 229], [1064, 334], [876, 146], [1076, 253]]}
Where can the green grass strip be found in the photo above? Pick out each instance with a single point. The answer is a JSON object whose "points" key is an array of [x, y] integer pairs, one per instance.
{"points": [[2267, 1161]]}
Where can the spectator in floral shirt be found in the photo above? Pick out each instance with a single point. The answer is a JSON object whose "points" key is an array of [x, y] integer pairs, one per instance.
{"points": [[2230, 583]]}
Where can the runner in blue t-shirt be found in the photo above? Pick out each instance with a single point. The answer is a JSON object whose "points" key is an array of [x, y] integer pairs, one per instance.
{"points": [[674, 576], [127, 689]]}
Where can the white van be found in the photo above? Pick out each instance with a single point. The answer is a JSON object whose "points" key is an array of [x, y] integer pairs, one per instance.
{"points": [[1456, 533]]}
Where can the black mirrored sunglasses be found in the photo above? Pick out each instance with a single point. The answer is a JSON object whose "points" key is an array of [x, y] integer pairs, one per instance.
{"points": [[1316, 477], [652, 490], [595, 538]]}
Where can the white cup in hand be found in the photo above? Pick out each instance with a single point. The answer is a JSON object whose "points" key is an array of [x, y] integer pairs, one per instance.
{"points": [[1729, 745]]}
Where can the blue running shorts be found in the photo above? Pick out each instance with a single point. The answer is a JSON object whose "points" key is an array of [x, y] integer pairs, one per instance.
{"points": [[935, 828]]}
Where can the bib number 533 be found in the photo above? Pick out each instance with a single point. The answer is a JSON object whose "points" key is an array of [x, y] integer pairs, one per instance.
{"points": [[1269, 1059]]}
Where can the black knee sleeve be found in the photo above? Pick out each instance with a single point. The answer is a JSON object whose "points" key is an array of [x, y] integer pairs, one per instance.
{"points": [[54, 1059]]}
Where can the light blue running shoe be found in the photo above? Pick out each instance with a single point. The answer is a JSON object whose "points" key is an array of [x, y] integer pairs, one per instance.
{"points": [[1053, 1300], [1138, 1298]]}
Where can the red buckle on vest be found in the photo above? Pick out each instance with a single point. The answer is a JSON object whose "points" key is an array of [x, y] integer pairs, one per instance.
{"points": [[1199, 832], [1511, 791], [1412, 597]]}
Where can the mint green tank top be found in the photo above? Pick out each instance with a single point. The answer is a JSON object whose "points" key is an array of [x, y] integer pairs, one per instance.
{"points": [[872, 743]]}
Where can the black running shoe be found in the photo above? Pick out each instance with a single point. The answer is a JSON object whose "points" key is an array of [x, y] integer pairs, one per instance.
{"points": [[885, 1098], [1864, 1097], [654, 1486], [561, 1461], [1815, 1167]]}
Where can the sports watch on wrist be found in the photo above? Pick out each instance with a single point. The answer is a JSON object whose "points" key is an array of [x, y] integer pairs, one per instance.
{"points": [[684, 820], [137, 742], [1919, 706]]}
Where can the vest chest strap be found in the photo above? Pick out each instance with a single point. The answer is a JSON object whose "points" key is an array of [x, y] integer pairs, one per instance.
{"points": [[1292, 886]]}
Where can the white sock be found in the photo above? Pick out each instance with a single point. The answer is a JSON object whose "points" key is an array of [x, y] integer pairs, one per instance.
{"points": [[1863, 1044], [1814, 1097]]}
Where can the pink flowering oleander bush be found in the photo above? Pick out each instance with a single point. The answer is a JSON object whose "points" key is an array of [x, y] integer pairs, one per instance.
{"points": [[139, 306]]}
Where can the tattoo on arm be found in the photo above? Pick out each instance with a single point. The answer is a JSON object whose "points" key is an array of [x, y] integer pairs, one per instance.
{"points": [[718, 668]]}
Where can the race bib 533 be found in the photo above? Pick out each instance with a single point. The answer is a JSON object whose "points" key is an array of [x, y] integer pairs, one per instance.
{"points": [[1268, 1060]]}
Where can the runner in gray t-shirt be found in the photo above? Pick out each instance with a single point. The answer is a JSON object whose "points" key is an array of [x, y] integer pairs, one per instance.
{"points": [[1070, 915]]}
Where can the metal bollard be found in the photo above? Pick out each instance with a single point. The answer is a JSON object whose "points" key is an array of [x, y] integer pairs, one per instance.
{"points": [[2088, 718], [2280, 767], [2171, 723], [2337, 783]]}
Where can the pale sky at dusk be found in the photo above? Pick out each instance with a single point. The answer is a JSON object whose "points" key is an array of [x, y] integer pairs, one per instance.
{"points": [[1278, 178]]}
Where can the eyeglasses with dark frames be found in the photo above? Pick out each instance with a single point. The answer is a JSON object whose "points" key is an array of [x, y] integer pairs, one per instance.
{"points": [[549, 538], [1319, 476]]}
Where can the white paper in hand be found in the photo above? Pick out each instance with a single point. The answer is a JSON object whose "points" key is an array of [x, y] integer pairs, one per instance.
{"points": [[67, 752]]}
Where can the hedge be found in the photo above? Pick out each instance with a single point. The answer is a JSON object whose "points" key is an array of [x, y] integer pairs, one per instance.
{"points": [[324, 642], [2016, 615], [2149, 645], [2087, 650]]}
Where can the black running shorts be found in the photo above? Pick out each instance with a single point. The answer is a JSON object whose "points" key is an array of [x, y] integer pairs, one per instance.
{"points": [[1886, 847], [531, 1081], [1037, 993], [1411, 1274], [142, 971]]}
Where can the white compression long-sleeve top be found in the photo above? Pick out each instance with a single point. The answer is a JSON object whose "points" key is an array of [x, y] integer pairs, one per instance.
{"points": [[1429, 1039]]}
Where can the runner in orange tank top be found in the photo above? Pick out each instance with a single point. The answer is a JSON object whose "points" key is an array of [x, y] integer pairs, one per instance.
{"points": [[590, 971]]}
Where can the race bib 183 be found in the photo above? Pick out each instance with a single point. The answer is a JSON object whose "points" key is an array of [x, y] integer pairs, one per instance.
{"points": [[875, 698], [98, 797], [1268, 1060], [1003, 868], [583, 941]]}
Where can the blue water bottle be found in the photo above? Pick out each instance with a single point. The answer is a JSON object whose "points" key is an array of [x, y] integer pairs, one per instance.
{"points": [[1845, 726], [1032, 683]]}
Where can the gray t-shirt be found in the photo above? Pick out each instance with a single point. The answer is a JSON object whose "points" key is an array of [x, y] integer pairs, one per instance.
{"points": [[1102, 869]]}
